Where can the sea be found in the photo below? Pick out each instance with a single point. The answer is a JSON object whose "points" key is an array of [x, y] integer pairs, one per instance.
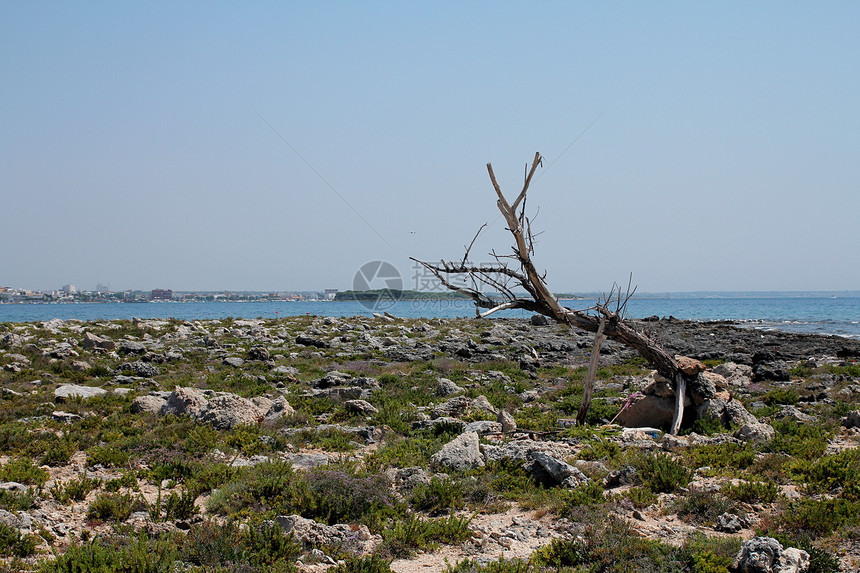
{"points": [[798, 312]]}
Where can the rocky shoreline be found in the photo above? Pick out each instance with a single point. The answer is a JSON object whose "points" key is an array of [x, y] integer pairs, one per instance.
{"points": [[141, 410]]}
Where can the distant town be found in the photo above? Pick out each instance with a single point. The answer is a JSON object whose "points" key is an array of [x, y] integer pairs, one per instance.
{"points": [[71, 294]]}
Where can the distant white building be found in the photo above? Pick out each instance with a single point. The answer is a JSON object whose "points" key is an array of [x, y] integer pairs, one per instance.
{"points": [[330, 293], [101, 287], [69, 289]]}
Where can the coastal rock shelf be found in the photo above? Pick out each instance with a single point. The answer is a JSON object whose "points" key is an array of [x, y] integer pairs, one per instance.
{"points": [[308, 443]]}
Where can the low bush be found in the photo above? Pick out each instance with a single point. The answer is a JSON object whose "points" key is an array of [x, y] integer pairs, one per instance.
{"points": [[440, 495], [661, 473], [15, 544], [114, 507], [752, 491]]}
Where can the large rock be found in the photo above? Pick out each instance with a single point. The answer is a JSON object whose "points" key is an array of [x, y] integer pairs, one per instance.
{"points": [[766, 555], [92, 342], [461, 453], [356, 539], [227, 411], [447, 388], [555, 471], [649, 411], [757, 433], [185, 400], [852, 420], [456, 406], [140, 368], [131, 347], [148, 404], [734, 374], [68, 390]]}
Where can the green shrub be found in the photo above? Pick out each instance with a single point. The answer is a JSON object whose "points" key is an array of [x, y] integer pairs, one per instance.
{"points": [[74, 490], [438, 496], [752, 491], [59, 452], [114, 507], [701, 506], [781, 396], [22, 470], [721, 456], [412, 533], [640, 497], [367, 564], [108, 456], [14, 544], [661, 474], [114, 555]]}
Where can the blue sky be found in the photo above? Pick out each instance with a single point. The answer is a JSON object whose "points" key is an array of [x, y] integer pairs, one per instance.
{"points": [[715, 146]]}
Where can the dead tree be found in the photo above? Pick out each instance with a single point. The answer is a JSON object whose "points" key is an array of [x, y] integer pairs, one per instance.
{"points": [[517, 271]]}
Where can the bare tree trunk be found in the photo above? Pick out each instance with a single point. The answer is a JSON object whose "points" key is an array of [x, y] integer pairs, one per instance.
{"points": [[680, 391], [592, 372]]}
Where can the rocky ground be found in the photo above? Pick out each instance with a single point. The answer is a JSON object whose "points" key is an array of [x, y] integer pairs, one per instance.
{"points": [[425, 444]]}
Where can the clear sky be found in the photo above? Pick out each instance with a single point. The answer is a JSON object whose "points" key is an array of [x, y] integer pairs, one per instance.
{"points": [[715, 145]]}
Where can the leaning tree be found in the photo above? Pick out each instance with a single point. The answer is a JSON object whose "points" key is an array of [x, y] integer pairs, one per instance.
{"points": [[492, 287]]}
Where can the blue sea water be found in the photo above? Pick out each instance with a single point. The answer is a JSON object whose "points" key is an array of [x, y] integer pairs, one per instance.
{"points": [[807, 314]]}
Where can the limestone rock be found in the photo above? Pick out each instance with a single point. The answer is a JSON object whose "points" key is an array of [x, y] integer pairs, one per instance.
{"points": [[131, 347], [557, 471], [756, 433], [766, 555], [185, 400], [91, 342], [258, 353], [461, 453], [483, 427], [149, 403], [734, 374], [279, 408], [227, 411], [140, 368], [447, 388], [362, 407], [356, 539], [68, 390], [852, 420], [481, 403], [233, 361], [689, 366], [506, 420], [456, 406]]}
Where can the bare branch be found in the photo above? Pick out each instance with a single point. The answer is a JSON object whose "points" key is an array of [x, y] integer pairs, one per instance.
{"points": [[469, 248]]}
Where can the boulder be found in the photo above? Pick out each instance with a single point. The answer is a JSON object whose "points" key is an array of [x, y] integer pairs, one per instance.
{"points": [[757, 433], [93, 342], [362, 407], [733, 373], [185, 400], [538, 320], [279, 408], [461, 453], [140, 368], [627, 475], [352, 538], [447, 388], [689, 366], [556, 472], [233, 361], [131, 347], [68, 390], [766, 555], [150, 404], [456, 406], [506, 420], [227, 411], [651, 411], [483, 427], [852, 420], [258, 353], [481, 403]]}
